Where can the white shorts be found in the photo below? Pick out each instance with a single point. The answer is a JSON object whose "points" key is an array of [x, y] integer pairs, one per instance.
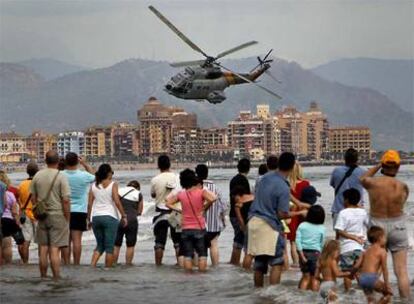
{"points": [[29, 230]]}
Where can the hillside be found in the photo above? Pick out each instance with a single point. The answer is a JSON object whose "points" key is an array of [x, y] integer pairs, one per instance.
{"points": [[394, 78], [115, 93]]}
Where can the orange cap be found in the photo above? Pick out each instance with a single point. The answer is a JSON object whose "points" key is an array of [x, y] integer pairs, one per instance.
{"points": [[391, 157]]}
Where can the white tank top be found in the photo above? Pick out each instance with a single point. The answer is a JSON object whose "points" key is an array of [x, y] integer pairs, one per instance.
{"points": [[103, 203]]}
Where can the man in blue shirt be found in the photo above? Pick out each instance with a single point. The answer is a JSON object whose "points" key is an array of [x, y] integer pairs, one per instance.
{"points": [[79, 182], [344, 178], [270, 206]]}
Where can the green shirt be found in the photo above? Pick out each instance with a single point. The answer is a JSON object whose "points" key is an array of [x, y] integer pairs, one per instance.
{"points": [[41, 184]]}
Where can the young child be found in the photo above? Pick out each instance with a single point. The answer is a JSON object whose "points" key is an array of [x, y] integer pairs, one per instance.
{"points": [[329, 270], [374, 261], [351, 229], [310, 237]]}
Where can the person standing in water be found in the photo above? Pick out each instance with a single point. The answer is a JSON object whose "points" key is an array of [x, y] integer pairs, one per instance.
{"points": [[27, 220], [387, 197], [192, 199], [239, 180], [161, 186], [79, 182], [106, 211], [133, 203], [215, 215], [50, 188]]}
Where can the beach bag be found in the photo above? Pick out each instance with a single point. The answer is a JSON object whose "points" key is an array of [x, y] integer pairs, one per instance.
{"points": [[40, 208], [174, 219]]}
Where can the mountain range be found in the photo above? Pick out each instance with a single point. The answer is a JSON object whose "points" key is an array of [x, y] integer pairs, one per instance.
{"points": [[34, 99]]}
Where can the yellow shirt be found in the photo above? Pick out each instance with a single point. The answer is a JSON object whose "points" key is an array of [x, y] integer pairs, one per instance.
{"points": [[24, 192]]}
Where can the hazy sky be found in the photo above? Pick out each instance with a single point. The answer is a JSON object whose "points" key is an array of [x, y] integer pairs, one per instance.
{"points": [[101, 33]]}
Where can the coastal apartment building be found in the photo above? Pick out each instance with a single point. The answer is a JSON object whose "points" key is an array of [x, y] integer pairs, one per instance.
{"points": [[343, 138], [304, 133], [71, 141], [12, 148], [125, 140], [38, 143]]}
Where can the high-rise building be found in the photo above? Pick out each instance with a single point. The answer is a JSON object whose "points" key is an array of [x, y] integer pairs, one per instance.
{"points": [[305, 134], [124, 140], [155, 127], [186, 140], [12, 143], [98, 141], [247, 134], [38, 143], [71, 141], [343, 138]]}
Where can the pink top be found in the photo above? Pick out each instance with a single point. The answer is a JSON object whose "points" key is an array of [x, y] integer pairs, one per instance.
{"points": [[192, 203], [8, 206]]}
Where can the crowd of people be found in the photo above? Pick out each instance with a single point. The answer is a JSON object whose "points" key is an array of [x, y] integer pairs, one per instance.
{"points": [[56, 205]]}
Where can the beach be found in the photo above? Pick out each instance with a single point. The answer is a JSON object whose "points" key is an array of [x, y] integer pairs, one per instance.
{"points": [[146, 283]]}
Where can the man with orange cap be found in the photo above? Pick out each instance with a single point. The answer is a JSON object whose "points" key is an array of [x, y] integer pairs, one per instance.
{"points": [[387, 196]]}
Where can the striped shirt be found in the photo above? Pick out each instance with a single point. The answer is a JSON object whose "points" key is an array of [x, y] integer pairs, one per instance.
{"points": [[215, 213]]}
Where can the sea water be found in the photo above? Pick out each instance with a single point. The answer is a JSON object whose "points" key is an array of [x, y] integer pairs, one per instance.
{"points": [[146, 283]]}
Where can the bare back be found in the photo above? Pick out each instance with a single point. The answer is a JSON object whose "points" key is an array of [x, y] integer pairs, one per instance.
{"points": [[387, 196], [372, 259]]}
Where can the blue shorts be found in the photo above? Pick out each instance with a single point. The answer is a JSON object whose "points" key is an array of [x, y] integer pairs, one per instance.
{"points": [[261, 262], [348, 259], [193, 240], [105, 228], [238, 240], [312, 257], [367, 281]]}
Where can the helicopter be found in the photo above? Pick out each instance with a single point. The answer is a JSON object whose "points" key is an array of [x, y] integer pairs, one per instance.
{"points": [[206, 79]]}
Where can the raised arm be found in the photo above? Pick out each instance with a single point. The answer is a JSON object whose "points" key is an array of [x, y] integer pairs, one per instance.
{"points": [[367, 178], [87, 167]]}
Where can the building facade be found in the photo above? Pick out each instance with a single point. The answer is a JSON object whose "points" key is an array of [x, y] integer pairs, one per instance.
{"points": [[125, 140], [38, 143], [71, 141], [343, 138]]}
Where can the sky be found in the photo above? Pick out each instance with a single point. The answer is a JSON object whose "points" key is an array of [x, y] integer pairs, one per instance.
{"points": [[100, 33]]}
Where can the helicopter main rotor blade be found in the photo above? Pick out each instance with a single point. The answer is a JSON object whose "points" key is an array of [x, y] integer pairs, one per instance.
{"points": [[235, 49], [268, 73], [250, 81], [177, 31], [187, 63]]}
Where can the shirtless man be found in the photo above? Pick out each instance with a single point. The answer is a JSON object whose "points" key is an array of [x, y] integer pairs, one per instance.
{"points": [[387, 197]]}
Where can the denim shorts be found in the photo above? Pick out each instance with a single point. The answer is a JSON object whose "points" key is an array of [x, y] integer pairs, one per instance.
{"points": [[348, 259], [261, 262], [105, 228], [312, 257], [238, 240], [193, 240]]}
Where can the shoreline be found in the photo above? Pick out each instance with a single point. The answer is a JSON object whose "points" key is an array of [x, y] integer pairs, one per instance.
{"points": [[135, 165]]}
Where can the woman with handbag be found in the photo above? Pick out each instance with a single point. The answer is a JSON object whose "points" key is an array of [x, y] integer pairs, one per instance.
{"points": [[192, 199], [105, 211]]}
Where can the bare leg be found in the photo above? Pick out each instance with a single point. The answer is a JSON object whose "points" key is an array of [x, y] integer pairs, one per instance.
{"points": [[109, 260], [399, 260], [24, 252], [129, 255], [1, 252], [347, 284], [43, 261], [95, 258], [55, 261], [65, 253], [258, 279], [235, 256], [247, 261], [294, 253], [202, 264], [188, 264], [305, 281], [214, 252], [159, 253], [76, 237], [275, 274], [116, 254], [285, 259], [7, 250]]}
